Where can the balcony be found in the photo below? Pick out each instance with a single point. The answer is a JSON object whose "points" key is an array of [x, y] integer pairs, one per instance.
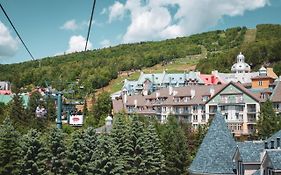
{"points": [[251, 110], [252, 120]]}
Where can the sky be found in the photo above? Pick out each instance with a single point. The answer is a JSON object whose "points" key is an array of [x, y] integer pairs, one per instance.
{"points": [[56, 27]]}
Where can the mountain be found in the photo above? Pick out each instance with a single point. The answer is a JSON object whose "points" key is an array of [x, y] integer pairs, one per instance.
{"points": [[94, 69]]}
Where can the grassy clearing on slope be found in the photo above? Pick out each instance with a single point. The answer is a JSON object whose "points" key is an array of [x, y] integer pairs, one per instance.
{"points": [[177, 66]]}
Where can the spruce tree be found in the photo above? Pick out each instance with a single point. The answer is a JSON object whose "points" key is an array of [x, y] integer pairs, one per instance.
{"points": [[75, 155], [17, 112], [57, 152], [268, 122], [120, 138], [90, 144], [104, 158], [155, 161], [34, 156], [174, 148], [9, 148], [136, 148]]}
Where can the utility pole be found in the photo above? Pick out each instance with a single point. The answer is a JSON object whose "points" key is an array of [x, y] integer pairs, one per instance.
{"points": [[59, 108]]}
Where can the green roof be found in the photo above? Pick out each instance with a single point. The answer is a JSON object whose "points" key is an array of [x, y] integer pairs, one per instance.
{"points": [[7, 98], [215, 153], [274, 138]]}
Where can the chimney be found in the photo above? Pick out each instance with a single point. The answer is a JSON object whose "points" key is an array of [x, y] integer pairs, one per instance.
{"points": [[278, 142], [170, 81], [157, 94], [170, 90], [108, 120], [192, 92], [125, 98], [265, 145], [272, 144], [212, 91], [136, 103]]}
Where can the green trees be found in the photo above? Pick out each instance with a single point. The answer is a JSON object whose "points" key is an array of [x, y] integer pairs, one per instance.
{"points": [[104, 160], [34, 154], [9, 148], [133, 147], [101, 108], [75, 155], [268, 122], [57, 152], [17, 111], [174, 148], [155, 160]]}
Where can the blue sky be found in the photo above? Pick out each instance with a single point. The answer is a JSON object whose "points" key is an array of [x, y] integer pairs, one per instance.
{"points": [[54, 27]]}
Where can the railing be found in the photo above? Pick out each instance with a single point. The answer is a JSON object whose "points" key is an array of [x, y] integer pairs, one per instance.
{"points": [[251, 110]]}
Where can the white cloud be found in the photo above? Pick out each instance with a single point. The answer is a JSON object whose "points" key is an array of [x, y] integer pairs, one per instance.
{"points": [[116, 11], [70, 25], [153, 19], [105, 43], [8, 44], [77, 43], [103, 11]]}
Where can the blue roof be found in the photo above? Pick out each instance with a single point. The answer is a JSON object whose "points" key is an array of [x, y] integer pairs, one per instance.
{"points": [[215, 153], [250, 151], [274, 138], [275, 158]]}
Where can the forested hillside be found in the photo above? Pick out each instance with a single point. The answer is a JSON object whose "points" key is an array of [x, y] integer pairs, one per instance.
{"points": [[94, 69], [264, 50]]}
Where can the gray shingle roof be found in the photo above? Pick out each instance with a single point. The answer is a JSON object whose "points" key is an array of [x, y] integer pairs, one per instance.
{"points": [[258, 172], [276, 94], [215, 153], [274, 138], [275, 158], [250, 151]]}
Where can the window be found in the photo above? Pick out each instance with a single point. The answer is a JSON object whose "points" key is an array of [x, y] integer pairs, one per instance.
{"points": [[240, 168], [260, 83], [195, 108], [195, 118]]}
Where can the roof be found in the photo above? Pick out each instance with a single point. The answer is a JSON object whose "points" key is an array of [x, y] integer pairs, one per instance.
{"points": [[275, 158], [276, 94], [215, 153], [7, 98], [250, 151], [240, 87], [274, 137], [237, 77], [258, 172], [262, 77]]}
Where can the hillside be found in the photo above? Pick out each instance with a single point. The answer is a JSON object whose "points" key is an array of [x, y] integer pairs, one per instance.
{"points": [[95, 69]]}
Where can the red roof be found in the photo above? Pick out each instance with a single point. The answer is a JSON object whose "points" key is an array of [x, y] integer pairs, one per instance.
{"points": [[5, 92], [209, 79]]}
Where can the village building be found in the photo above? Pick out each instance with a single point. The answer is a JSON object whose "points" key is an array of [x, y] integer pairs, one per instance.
{"points": [[220, 154]]}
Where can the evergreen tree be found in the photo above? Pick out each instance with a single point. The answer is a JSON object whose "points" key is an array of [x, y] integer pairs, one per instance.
{"points": [[33, 154], [155, 161], [104, 158], [75, 156], [90, 144], [17, 112], [57, 152], [102, 108], [120, 138], [51, 108], [136, 147], [268, 122], [174, 148], [9, 148], [33, 102]]}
